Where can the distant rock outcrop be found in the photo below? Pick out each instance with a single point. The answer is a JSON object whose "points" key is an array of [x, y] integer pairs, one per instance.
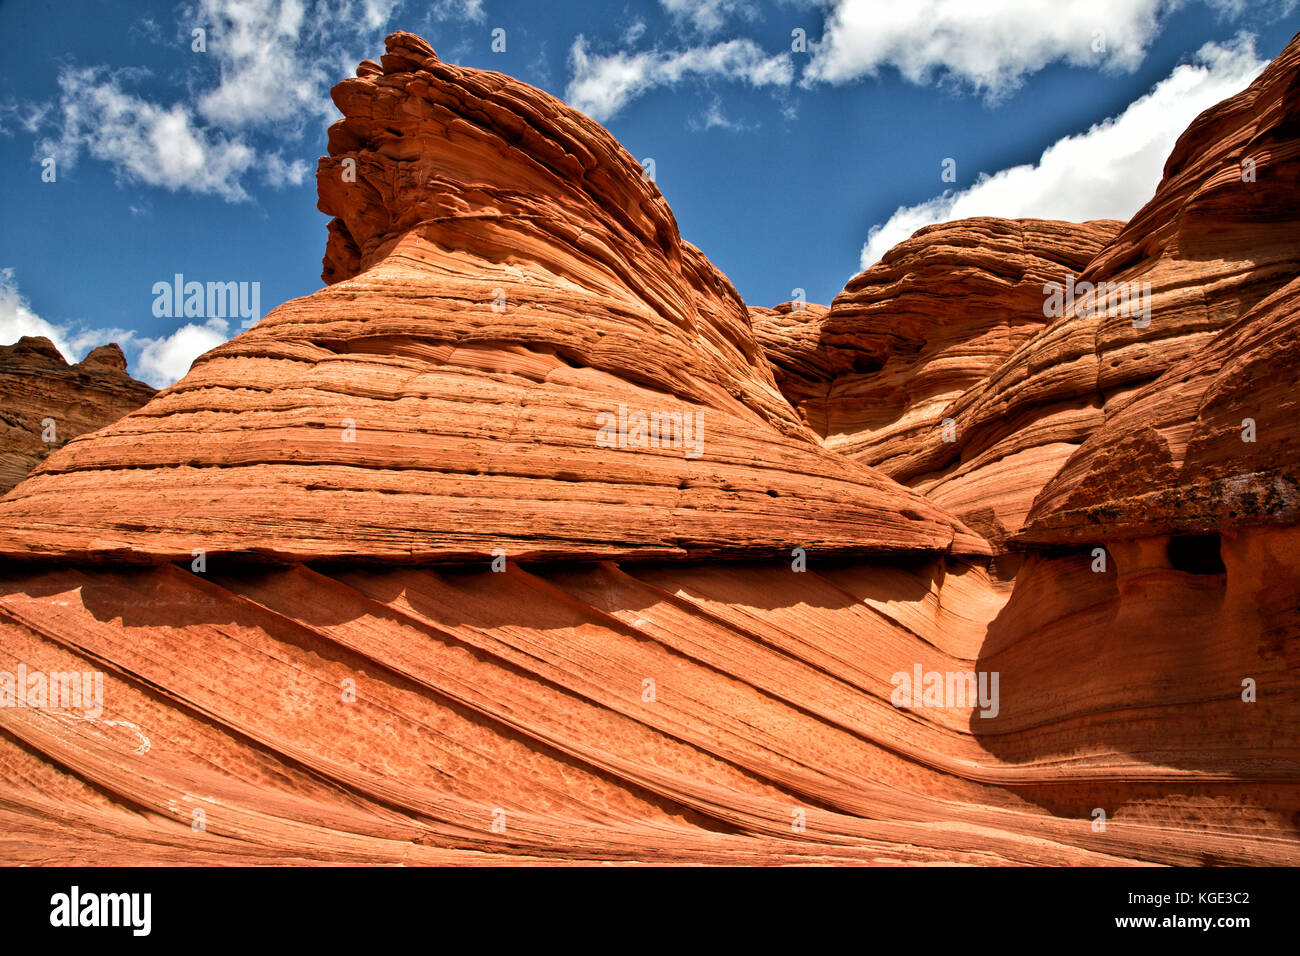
{"points": [[45, 402]]}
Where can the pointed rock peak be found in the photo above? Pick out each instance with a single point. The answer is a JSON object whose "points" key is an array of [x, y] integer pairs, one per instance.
{"points": [[105, 357], [406, 52], [423, 141], [32, 345]]}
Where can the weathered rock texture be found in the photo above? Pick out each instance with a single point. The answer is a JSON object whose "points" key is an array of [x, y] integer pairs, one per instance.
{"points": [[791, 335], [521, 699], [1213, 443], [649, 705], [878, 374], [949, 328], [42, 396], [1210, 244]]}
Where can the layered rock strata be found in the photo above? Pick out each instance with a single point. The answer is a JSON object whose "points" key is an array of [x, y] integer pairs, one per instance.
{"points": [[1221, 234], [879, 374]]}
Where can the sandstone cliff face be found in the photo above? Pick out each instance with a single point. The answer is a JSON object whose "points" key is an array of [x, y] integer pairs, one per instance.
{"points": [[42, 396], [615, 691], [1212, 444]]}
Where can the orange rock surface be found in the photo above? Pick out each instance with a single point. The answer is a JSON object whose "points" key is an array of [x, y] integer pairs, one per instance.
{"points": [[681, 659], [1213, 443], [42, 396]]}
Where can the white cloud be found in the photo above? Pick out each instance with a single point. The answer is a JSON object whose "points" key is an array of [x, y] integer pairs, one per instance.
{"points": [[715, 118], [270, 82], [633, 33], [17, 318], [83, 340], [270, 54], [707, 16], [453, 9], [1108, 172], [378, 12], [141, 141], [990, 45], [600, 86], [163, 361], [1265, 9], [276, 172], [29, 116], [264, 79]]}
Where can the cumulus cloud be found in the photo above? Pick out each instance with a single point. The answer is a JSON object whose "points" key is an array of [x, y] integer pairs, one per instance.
{"points": [[1107, 172], [600, 86], [264, 60], [270, 54], [988, 46], [142, 141], [264, 78], [164, 360]]}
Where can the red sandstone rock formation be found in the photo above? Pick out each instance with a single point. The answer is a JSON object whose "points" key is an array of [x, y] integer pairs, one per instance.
{"points": [[42, 395], [950, 325], [503, 282], [651, 706]]}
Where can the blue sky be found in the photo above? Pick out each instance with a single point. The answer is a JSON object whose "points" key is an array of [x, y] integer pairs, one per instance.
{"points": [[778, 162]]}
